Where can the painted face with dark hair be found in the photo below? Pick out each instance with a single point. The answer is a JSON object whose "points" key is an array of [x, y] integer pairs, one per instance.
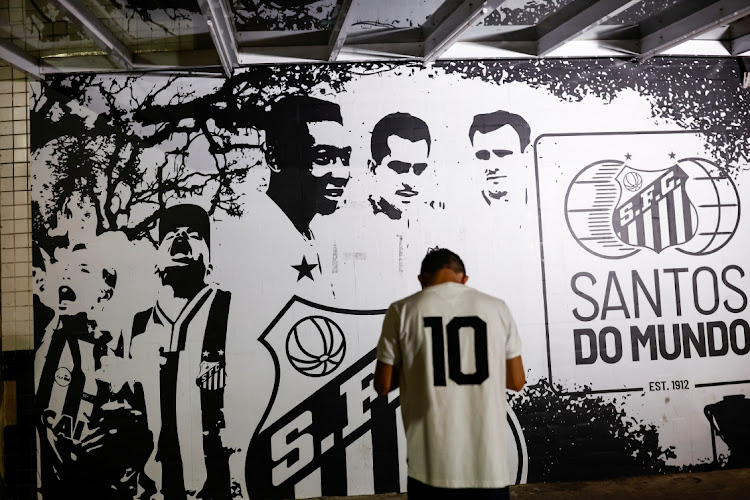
{"points": [[329, 164], [498, 154], [310, 172], [402, 175], [183, 258]]}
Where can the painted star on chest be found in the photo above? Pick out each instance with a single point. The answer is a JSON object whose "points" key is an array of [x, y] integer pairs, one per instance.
{"points": [[304, 269]]}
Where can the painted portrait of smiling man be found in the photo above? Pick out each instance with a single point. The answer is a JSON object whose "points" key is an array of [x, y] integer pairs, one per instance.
{"points": [[308, 158]]}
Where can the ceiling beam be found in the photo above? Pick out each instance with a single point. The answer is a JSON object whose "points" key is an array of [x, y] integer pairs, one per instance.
{"points": [[692, 25], [82, 17], [21, 60], [443, 28], [220, 24], [575, 19], [740, 45], [340, 30]]}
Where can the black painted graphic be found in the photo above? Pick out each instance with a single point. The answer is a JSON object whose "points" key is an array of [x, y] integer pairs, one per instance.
{"points": [[614, 211], [400, 149], [308, 176], [316, 346], [604, 433], [728, 419], [498, 140], [188, 311]]}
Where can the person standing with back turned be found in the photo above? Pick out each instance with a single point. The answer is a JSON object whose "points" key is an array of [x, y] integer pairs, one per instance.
{"points": [[453, 351]]}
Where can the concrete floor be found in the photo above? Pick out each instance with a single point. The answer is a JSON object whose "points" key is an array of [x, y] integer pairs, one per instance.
{"points": [[717, 485]]}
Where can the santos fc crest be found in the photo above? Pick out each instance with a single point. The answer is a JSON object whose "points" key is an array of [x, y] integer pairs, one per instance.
{"points": [[615, 211], [325, 432]]}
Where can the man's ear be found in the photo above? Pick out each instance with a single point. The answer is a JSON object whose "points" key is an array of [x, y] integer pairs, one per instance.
{"points": [[422, 281], [464, 279], [371, 165], [209, 268]]}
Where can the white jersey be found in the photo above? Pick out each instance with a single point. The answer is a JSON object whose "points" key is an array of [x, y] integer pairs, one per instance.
{"points": [[451, 343]]}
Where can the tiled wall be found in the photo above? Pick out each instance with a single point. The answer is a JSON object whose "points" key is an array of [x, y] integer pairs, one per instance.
{"points": [[15, 213], [17, 442]]}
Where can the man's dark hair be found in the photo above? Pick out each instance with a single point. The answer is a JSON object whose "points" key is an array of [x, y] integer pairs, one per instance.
{"points": [[286, 127], [401, 125], [185, 215], [490, 122], [441, 258]]}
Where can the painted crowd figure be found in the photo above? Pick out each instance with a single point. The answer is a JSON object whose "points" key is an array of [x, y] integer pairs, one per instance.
{"points": [[179, 345], [81, 417]]}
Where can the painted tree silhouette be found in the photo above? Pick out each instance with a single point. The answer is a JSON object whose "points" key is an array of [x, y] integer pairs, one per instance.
{"points": [[121, 155]]}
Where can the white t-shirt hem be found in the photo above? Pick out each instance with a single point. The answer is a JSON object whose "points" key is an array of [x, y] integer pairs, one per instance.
{"points": [[456, 484]]}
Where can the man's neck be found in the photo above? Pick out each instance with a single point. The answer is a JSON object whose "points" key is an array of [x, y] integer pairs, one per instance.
{"points": [[445, 275], [173, 304], [292, 208]]}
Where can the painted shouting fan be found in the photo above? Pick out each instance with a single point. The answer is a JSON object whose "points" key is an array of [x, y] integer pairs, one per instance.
{"points": [[183, 338]]}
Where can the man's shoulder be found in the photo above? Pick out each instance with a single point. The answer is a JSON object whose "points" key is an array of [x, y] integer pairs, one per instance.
{"points": [[491, 299], [408, 300], [140, 321], [482, 301]]}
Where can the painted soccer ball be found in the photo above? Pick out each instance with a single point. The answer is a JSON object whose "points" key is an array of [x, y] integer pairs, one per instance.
{"points": [[632, 181], [315, 346]]}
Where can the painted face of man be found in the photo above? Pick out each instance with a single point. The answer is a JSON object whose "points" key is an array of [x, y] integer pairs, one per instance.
{"points": [[183, 249], [498, 154], [404, 172], [329, 164]]}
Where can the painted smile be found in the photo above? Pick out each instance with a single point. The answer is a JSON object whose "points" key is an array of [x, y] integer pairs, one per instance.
{"points": [[496, 177], [407, 192], [334, 192]]}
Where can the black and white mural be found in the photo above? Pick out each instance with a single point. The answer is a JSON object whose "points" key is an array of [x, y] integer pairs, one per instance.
{"points": [[213, 258]]}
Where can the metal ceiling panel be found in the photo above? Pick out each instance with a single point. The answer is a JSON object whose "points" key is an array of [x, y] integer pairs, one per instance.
{"points": [[569, 23], [41, 29], [283, 15], [673, 30], [176, 35], [77, 12]]}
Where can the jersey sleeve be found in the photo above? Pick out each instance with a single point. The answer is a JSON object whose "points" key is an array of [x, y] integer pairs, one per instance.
{"points": [[389, 345], [513, 341]]}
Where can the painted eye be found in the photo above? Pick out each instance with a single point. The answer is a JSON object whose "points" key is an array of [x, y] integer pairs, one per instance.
{"points": [[500, 153], [483, 154], [323, 156], [419, 168], [399, 167]]}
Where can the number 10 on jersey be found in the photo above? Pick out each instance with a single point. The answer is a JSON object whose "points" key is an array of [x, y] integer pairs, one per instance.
{"points": [[481, 362]]}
